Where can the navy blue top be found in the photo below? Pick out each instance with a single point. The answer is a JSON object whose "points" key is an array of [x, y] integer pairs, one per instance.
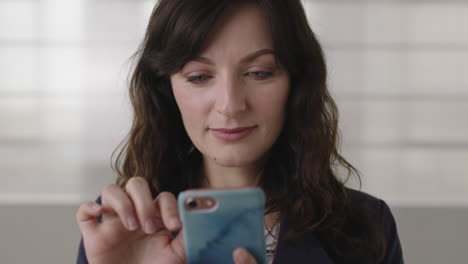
{"points": [[309, 249]]}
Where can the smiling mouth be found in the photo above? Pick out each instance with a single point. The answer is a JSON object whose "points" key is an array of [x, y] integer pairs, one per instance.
{"points": [[232, 134]]}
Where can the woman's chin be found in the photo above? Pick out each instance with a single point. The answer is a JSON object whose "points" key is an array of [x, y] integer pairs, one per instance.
{"points": [[232, 162], [239, 156], [240, 160]]}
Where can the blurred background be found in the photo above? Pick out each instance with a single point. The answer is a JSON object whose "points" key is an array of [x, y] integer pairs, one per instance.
{"points": [[397, 70]]}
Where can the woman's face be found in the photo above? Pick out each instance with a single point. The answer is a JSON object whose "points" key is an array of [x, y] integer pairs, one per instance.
{"points": [[232, 97]]}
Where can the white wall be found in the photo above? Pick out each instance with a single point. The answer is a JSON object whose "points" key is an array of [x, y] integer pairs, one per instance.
{"points": [[63, 103], [397, 70]]}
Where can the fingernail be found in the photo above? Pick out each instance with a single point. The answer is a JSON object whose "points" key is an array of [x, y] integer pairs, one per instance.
{"points": [[150, 227], [175, 222], [132, 223], [96, 207], [242, 255]]}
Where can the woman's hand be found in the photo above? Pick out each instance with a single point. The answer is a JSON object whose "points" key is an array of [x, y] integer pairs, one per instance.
{"points": [[242, 256], [134, 228]]}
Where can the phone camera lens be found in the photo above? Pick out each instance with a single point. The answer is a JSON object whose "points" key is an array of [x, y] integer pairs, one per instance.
{"points": [[192, 204]]}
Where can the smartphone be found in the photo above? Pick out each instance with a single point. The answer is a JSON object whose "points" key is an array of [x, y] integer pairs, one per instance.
{"points": [[216, 222]]}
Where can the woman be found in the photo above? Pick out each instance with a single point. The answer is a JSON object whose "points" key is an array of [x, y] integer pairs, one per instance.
{"points": [[231, 94]]}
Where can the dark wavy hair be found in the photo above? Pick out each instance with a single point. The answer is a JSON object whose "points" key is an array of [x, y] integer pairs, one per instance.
{"points": [[300, 176]]}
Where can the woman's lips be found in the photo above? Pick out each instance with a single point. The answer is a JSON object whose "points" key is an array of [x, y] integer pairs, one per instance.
{"points": [[231, 134]]}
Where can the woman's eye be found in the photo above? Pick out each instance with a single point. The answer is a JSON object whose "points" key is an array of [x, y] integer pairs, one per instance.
{"points": [[260, 74], [198, 79]]}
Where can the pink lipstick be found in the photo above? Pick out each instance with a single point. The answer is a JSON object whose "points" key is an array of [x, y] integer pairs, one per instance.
{"points": [[231, 134]]}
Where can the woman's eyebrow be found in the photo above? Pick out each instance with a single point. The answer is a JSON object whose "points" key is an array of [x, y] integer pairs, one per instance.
{"points": [[249, 58]]}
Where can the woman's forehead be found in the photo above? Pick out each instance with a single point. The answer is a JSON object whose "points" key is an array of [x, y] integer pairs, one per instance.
{"points": [[243, 28]]}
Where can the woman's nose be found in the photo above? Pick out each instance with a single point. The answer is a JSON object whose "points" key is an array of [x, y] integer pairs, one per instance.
{"points": [[231, 99]]}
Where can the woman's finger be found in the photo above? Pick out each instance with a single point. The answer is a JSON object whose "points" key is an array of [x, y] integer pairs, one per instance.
{"points": [[167, 204], [242, 256], [115, 198], [86, 217], [178, 246], [138, 191]]}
